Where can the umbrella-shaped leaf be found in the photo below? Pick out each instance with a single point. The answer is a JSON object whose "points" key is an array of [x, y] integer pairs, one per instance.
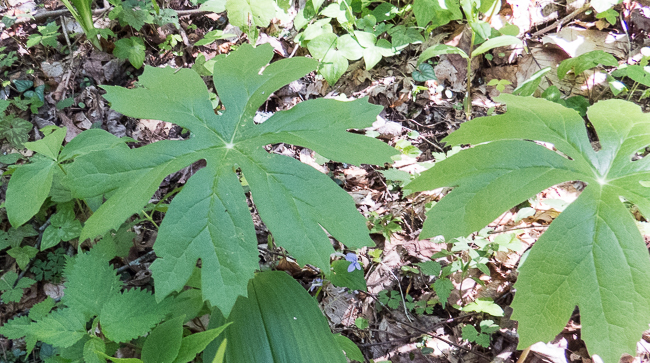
{"points": [[210, 219], [592, 255]]}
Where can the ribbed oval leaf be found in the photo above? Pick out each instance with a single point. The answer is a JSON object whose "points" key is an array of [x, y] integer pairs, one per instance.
{"points": [[281, 321]]}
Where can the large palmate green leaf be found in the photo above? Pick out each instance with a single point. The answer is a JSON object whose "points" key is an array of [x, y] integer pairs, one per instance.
{"points": [[275, 319], [210, 219], [592, 255]]}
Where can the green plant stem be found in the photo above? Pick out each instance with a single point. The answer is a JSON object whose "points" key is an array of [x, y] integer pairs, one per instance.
{"points": [[401, 293], [320, 288], [82, 209], [167, 196], [83, 14], [150, 219], [629, 96], [462, 278], [468, 101]]}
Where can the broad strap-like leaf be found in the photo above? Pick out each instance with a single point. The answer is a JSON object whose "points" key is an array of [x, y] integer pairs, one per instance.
{"points": [[584, 62], [592, 255], [500, 41], [194, 344], [210, 219], [275, 318]]}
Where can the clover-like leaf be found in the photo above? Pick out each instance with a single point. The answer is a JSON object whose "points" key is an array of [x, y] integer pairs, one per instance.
{"points": [[132, 49], [14, 236], [373, 49], [401, 36], [334, 52], [210, 219], [592, 255], [64, 227], [23, 255]]}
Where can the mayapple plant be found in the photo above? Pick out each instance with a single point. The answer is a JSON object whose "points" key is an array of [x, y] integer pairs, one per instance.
{"points": [[593, 254], [210, 219]]}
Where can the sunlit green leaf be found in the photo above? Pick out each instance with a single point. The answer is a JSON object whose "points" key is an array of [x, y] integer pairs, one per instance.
{"points": [[592, 255]]}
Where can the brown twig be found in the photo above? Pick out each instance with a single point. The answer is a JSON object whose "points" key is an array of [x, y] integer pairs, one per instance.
{"points": [[54, 13], [64, 27], [430, 333], [136, 262], [516, 228], [435, 336], [562, 21], [394, 341]]}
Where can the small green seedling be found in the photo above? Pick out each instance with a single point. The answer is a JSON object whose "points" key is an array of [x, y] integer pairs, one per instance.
{"points": [[384, 225], [499, 84], [482, 337], [46, 36]]}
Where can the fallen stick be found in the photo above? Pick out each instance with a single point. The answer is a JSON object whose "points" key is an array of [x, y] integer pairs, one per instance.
{"points": [[562, 21], [54, 13]]}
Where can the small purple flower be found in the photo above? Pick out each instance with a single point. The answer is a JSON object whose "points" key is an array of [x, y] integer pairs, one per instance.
{"points": [[317, 282], [354, 265]]}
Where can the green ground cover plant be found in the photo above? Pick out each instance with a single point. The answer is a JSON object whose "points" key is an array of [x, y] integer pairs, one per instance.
{"points": [[231, 143], [96, 187]]}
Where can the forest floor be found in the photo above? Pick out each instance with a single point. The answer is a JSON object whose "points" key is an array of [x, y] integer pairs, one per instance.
{"points": [[399, 318]]}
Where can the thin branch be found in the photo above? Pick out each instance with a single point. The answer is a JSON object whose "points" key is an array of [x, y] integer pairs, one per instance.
{"points": [[54, 13], [64, 27], [401, 293], [562, 21], [136, 262], [430, 331]]}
